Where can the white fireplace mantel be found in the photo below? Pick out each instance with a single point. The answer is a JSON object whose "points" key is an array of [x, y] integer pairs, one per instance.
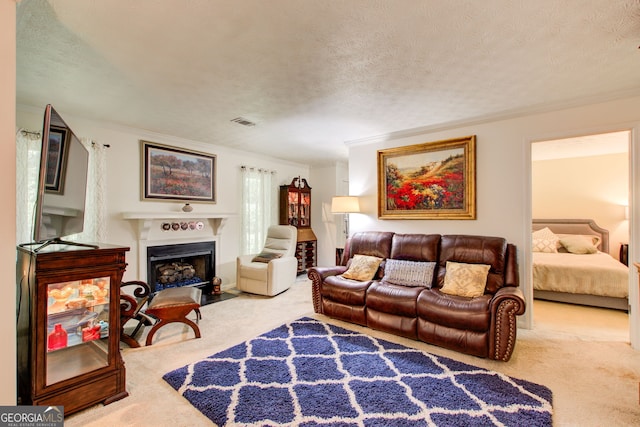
{"points": [[147, 219]]}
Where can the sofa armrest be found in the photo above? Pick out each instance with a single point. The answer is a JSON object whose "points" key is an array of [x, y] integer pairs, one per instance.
{"points": [[511, 276], [317, 276], [505, 305]]}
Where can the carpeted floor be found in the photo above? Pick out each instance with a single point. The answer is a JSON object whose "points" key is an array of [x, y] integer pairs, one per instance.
{"points": [[581, 354], [308, 372]]}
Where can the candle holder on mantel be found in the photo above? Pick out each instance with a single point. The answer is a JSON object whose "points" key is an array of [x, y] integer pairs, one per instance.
{"points": [[187, 208]]}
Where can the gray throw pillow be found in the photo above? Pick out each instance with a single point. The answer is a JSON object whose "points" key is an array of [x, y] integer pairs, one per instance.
{"points": [[409, 273]]}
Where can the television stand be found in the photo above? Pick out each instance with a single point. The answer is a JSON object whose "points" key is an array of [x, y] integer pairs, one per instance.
{"points": [[57, 241]]}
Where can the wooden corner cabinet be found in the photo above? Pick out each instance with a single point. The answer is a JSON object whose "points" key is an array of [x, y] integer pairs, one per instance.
{"points": [[68, 326], [295, 209]]}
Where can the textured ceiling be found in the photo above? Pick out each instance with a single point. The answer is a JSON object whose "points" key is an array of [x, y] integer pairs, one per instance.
{"points": [[313, 75]]}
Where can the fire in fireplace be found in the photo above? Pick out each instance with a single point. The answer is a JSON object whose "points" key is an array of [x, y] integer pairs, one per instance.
{"points": [[185, 264]]}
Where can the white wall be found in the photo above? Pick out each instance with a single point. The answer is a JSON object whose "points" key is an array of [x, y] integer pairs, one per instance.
{"points": [[326, 182], [124, 187], [8, 197], [595, 187], [323, 222], [503, 189]]}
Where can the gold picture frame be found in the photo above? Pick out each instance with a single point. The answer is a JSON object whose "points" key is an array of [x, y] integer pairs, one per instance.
{"points": [[171, 173], [433, 180]]}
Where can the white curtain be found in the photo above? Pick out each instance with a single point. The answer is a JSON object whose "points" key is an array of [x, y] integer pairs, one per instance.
{"points": [[27, 169], [257, 208], [95, 224], [27, 165]]}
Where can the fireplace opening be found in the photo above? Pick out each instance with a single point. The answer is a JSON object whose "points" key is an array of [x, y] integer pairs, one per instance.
{"points": [[185, 264]]}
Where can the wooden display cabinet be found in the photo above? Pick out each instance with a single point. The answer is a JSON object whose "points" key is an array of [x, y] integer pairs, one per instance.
{"points": [[68, 326], [295, 209]]}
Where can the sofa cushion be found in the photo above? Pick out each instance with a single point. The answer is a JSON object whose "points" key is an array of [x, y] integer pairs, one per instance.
{"points": [[453, 311], [475, 250], [409, 273], [465, 280], [362, 267], [415, 247], [345, 291], [254, 271], [373, 243], [393, 299]]}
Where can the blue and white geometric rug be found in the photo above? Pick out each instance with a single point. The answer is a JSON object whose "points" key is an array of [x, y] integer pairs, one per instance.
{"points": [[310, 373]]}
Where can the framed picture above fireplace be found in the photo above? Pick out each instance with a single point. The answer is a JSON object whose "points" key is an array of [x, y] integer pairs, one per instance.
{"points": [[170, 173]]}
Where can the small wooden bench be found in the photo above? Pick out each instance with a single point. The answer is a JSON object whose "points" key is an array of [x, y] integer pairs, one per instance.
{"points": [[172, 305]]}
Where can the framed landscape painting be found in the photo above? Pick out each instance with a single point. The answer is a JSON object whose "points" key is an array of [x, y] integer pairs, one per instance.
{"points": [[171, 173], [434, 180]]}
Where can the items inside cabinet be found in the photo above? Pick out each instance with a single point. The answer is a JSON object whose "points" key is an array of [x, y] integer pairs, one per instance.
{"points": [[295, 209]]}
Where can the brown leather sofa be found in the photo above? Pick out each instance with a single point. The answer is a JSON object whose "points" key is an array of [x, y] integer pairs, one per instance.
{"points": [[483, 326]]}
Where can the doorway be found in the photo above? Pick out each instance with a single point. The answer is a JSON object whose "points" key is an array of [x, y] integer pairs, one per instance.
{"points": [[583, 177]]}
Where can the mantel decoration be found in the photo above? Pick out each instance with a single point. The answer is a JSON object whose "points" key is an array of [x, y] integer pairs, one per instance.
{"points": [[171, 173], [434, 180]]}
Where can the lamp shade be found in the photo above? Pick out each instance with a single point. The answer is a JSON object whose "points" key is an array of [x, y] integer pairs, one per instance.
{"points": [[345, 204]]}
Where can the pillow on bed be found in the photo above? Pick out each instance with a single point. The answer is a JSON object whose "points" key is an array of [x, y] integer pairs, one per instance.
{"points": [[579, 244], [593, 238], [545, 240], [545, 245]]}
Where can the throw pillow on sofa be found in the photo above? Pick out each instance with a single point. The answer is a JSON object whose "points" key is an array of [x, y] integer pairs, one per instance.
{"points": [[465, 280], [362, 267], [409, 273]]}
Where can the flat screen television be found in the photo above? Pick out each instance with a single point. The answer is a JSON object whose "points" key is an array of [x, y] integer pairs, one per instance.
{"points": [[62, 184]]}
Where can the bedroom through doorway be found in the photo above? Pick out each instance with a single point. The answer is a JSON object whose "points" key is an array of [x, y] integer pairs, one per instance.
{"points": [[574, 179]]}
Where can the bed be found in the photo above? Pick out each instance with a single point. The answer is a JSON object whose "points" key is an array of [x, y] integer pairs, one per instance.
{"points": [[594, 279]]}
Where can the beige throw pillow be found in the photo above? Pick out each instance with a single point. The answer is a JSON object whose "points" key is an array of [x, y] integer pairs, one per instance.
{"points": [[362, 267], [465, 280], [579, 244], [545, 240], [545, 245]]}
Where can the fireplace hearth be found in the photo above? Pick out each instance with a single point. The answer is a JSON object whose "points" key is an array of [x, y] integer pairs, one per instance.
{"points": [[184, 264]]}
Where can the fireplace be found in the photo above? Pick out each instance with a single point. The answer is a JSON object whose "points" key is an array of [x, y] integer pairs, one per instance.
{"points": [[185, 264]]}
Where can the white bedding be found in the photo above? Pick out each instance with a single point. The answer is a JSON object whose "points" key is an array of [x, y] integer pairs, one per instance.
{"points": [[592, 274]]}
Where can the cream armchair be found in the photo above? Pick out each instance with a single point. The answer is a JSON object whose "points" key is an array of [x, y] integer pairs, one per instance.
{"points": [[273, 270]]}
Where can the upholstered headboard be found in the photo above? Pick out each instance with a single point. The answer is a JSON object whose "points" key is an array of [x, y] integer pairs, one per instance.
{"points": [[575, 226]]}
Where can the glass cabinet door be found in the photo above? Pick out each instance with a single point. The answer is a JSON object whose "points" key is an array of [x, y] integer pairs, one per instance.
{"points": [[77, 322], [293, 198], [305, 210]]}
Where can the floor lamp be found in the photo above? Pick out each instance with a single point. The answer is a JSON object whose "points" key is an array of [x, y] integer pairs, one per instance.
{"points": [[344, 205]]}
